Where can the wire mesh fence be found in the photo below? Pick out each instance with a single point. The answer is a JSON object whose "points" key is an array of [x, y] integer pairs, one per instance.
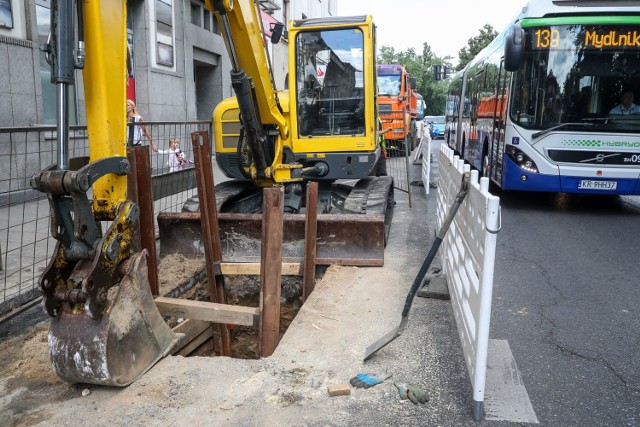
{"points": [[399, 142], [26, 244]]}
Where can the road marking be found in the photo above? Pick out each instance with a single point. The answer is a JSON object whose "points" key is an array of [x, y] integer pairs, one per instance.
{"points": [[505, 397]]}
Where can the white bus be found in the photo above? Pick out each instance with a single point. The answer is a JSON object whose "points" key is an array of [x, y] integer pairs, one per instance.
{"points": [[538, 109]]}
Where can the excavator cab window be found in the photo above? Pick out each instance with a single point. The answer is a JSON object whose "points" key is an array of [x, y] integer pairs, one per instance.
{"points": [[329, 78]]}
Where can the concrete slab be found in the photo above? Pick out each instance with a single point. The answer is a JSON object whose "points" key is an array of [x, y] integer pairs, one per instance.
{"points": [[436, 288]]}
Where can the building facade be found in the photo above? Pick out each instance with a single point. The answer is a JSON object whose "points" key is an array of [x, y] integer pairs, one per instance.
{"points": [[180, 63]]}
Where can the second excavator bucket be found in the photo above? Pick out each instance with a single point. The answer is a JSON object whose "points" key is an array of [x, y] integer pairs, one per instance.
{"points": [[128, 339]]}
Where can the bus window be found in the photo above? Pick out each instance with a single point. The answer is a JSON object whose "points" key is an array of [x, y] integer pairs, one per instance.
{"points": [[573, 80]]}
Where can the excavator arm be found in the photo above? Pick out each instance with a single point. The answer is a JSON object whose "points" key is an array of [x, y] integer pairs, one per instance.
{"points": [[264, 125]]}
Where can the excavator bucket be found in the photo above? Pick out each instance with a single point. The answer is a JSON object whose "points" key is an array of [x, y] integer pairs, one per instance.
{"points": [[127, 340]]}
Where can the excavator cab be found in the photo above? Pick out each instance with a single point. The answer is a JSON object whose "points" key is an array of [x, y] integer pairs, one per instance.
{"points": [[323, 128], [331, 99], [105, 328]]}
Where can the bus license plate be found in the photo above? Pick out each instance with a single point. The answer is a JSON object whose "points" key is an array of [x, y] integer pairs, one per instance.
{"points": [[588, 184]]}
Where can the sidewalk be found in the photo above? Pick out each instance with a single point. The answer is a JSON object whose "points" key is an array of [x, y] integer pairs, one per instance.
{"points": [[348, 310]]}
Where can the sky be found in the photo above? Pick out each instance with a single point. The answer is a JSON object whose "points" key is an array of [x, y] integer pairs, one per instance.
{"points": [[446, 25]]}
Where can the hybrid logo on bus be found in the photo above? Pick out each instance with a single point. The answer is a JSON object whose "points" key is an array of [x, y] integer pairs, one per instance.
{"points": [[600, 143]]}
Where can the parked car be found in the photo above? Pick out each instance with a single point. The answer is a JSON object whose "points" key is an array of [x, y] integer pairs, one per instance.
{"points": [[436, 126]]}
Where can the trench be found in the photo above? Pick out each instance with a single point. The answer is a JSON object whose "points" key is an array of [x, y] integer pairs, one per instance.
{"points": [[181, 277]]}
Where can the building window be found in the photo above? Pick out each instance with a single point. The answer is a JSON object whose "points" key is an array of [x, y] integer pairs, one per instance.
{"points": [[203, 18], [214, 25], [6, 14], [196, 15], [49, 104], [207, 20], [164, 32]]}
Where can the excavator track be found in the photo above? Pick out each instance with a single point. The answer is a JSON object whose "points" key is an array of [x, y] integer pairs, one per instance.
{"points": [[354, 232]]}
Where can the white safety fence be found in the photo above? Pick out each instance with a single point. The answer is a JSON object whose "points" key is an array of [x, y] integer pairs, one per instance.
{"points": [[468, 255], [424, 151]]}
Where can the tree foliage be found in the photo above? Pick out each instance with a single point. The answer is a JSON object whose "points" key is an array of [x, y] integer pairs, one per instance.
{"points": [[475, 45], [434, 92], [421, 67]]}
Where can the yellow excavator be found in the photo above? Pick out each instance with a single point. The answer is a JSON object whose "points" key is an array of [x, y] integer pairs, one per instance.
{"points": [[322, 129], [105, 328]]}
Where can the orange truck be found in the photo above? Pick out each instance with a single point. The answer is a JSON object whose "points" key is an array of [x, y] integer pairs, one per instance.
{"points": [[397, 105]]}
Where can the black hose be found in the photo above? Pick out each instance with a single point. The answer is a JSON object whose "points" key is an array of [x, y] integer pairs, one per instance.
{"points": [[462, 193]]}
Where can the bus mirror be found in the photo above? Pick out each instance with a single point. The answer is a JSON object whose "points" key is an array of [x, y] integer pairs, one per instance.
{"points": [[414, 83], [276, 32], [513, 48]]}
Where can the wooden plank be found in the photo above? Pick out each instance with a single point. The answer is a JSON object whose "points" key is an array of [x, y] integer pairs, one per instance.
{"points": [[253, 268], [210, 234], [271, 262], [310, 239], [209, 311], [191, 328], [196, 342], [147, 217]]}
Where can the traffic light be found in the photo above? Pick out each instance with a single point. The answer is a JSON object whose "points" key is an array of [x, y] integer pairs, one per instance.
{"points": [[440, 72]]}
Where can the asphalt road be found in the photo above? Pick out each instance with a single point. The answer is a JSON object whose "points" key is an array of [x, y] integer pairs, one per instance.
{"points": [[567, 299]]}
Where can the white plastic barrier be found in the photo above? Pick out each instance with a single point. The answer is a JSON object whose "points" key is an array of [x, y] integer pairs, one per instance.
{"points": [[424, 149], [468, 255]]}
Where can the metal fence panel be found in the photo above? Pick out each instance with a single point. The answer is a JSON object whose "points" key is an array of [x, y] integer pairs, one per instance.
{"points": [[398, 147], [26, 244]]}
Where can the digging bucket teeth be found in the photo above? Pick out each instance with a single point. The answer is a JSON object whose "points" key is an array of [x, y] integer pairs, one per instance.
{"points": [[127, 340]]}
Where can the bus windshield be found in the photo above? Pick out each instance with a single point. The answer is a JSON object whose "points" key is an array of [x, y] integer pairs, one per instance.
{"points": [[576, 76]]}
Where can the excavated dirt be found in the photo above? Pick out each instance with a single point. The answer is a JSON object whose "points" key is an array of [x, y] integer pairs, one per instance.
{"points": [[25, 371], [176, 269], [245, 291]]}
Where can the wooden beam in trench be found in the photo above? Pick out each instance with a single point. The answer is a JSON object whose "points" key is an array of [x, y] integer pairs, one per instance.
{"points": [[270, 272], [209, 311], [253, 268], [195, 333]]}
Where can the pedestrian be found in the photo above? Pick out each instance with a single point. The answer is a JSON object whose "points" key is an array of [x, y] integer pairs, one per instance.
{"points": [[136, 130], [176, 157]]}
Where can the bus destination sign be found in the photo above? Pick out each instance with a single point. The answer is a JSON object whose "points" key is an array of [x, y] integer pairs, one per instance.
{"points": [[585, 37]]}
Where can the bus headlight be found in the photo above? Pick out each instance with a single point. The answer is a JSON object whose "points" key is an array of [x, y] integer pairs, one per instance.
{"points": [[522, 160]]}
